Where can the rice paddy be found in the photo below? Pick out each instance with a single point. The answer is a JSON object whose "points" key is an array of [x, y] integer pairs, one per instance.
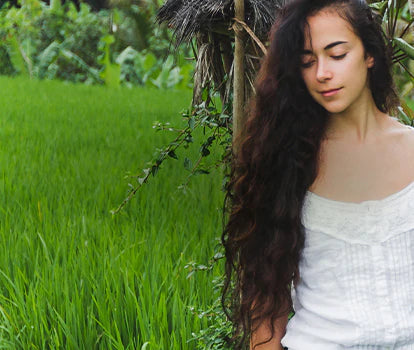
{"points": [[71, 275]]}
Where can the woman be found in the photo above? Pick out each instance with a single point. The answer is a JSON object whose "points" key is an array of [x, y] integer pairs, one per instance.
{"points": [[321, 195]]}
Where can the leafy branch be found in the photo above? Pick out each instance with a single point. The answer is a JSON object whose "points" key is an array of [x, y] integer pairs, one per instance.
{"points": [[213, 123]]}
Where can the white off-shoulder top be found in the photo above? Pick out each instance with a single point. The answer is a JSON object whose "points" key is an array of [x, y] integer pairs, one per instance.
{"points": [[356, 288]]}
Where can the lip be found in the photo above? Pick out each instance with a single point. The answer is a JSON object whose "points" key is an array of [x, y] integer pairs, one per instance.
{"points": [[328, 93]]}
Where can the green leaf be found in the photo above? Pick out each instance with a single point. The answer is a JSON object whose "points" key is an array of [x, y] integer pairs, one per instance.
{"points": [[201, 172], [403, 116], [188, 164], [186, 76], [205, 151], [141, 180], [218, 256], [380, 6], [128, 54], [405, 47], [162, 81], [174, 77], [80, 63], [46, 58], [149, 61], [188, 139], [407, 110], [108, 39], [191, 123], [154, 170], [16, 56], [172, 154], [56, 5], [112, 74], [205, 94]]}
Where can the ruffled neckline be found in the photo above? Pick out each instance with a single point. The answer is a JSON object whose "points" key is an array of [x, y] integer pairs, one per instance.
{"points": [[384, 200], [366, 222]]}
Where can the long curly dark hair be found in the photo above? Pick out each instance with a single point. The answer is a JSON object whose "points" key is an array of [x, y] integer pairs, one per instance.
{"points": [[276, 162]]}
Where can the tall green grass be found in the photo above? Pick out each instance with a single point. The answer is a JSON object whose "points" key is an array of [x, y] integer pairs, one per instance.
{"points": [[71, 275]]}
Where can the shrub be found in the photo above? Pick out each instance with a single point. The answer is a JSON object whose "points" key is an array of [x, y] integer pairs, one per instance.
{"points": [[62, 42]]}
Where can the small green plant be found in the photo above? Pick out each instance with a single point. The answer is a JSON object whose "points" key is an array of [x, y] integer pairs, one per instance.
{"points": [[111, 72], [218, 332], [205, 118]]}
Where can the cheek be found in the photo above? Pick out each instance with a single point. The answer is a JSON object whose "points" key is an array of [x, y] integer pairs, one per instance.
{"points": [[355, 73], [354, 67], [306, 76]]}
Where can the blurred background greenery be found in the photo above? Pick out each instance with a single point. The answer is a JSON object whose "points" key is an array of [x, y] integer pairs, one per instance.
{"points": [[113, 42]]}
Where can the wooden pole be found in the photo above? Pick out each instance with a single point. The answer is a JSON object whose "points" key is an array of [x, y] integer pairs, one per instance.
{"points": [[238, 87]]}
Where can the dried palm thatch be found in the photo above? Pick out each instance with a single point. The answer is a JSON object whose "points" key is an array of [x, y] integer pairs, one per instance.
{"points": [[189, 17], [210, 23]]}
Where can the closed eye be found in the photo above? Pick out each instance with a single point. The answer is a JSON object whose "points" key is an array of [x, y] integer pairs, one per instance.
{"points": [[310, 63], [307, 64], [340, 57]]}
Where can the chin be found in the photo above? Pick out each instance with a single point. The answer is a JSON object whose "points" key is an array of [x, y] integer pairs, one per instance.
{"points": [[334, 109]]}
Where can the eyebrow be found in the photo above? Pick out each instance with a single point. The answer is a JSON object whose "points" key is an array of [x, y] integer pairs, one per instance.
{"points": [[327, 47]]}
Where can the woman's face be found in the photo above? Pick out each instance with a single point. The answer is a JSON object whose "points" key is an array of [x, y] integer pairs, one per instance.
{"points": [[334, 65]]}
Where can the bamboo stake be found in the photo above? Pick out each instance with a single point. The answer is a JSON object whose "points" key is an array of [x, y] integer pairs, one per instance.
{"points": [[238, 88]]}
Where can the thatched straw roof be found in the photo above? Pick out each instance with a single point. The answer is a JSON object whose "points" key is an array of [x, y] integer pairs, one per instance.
{"points": [[210, 23], [188, 17]]}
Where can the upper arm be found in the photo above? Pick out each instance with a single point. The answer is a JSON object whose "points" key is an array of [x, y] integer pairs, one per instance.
{"points": [[263, 333]]}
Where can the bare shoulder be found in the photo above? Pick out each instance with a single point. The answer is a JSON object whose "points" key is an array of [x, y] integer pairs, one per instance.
{"points": [[346, 169], [405, 133], [401, 131], [409, 131], [403, 139], [410, 137]]}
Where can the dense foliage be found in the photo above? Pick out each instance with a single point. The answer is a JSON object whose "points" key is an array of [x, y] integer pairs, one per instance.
{"points": [[62, 42]]}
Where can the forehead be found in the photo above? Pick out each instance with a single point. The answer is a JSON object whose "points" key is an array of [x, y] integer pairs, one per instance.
{"points": [[326, 27]]}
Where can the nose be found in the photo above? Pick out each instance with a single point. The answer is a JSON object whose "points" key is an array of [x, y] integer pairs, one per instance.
{"points": [[323, 72]]}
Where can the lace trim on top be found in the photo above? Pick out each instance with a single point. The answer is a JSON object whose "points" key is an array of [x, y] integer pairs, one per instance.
{"points": [[367, 222]]}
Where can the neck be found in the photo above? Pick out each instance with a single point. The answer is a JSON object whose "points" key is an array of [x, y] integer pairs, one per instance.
{"points": [[359, 123]]}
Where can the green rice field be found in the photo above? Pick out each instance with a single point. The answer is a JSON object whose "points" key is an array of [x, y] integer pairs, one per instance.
{"points": [[72, 276]]}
